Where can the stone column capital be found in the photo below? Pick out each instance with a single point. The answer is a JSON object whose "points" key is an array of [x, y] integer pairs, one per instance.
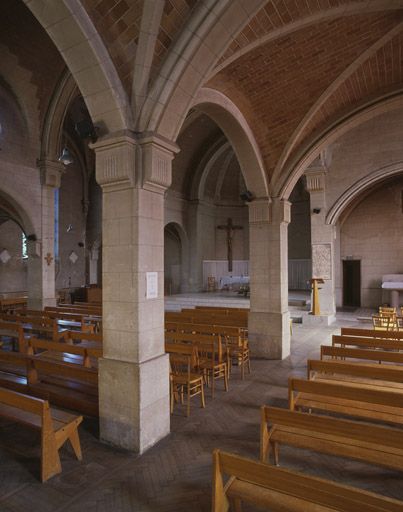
{"points": [[51, 172], [315, 179], [281, 211], [260, 211], [157, 154], [115, 161]]}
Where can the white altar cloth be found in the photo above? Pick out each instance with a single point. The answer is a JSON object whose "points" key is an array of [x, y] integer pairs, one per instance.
{"points": [[231, 281]]}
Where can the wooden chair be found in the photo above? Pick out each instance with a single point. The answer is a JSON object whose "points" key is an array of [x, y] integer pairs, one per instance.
{"points": [[184, 375], [275, 489], [212, 363], [345, 438], [382, 323], [238, 352], [56, 427]]}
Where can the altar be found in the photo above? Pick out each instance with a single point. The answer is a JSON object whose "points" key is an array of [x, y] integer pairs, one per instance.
{"points": [[394, 284], [223, 278], [233, 282]]}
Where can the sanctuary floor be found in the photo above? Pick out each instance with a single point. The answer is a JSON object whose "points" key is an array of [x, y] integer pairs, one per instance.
{"points": [[175, 475]]}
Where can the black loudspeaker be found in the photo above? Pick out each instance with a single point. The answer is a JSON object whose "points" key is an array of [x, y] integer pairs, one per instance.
{"points": [[246, 196], [86, 130], [31, 238], [316, 210]]}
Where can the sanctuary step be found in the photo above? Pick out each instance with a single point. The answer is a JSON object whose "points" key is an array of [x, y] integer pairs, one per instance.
{"points": [[228, 299]]}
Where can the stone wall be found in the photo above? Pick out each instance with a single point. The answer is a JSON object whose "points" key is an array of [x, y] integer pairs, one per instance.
{"points": [[372, 233], [13, 273]]}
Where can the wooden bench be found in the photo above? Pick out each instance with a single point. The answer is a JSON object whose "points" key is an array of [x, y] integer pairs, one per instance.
{"points": [[281, 490], [35, 324], [371, 343], [347, 399], [15, 332], [361, 354], [64, 352], [345, 438], [371, 333], [56, 427], [368, 375], [86, 339], [68, 385]]}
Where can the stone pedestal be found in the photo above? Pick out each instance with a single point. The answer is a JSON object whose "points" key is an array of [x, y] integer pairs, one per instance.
{"points": [[269, 319], [134, 373], [41, 257]]}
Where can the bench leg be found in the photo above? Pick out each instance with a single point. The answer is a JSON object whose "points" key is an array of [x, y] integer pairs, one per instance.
{"points": [[236, 505], [50, 460], [75, 443], [275, 454]]}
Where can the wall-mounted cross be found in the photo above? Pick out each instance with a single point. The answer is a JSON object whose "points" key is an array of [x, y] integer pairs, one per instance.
{"points": [[48, 258], [230, 228]]}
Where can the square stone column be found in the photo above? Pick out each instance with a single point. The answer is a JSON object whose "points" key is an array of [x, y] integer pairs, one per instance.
{"points": [[134, 372], [41, 257], [269, 318], [322, 239]]}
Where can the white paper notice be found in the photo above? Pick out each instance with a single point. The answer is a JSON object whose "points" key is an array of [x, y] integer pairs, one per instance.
{"points": [[152, 285]]}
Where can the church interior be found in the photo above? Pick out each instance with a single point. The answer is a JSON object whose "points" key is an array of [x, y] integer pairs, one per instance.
{"points": [[201, 262]]}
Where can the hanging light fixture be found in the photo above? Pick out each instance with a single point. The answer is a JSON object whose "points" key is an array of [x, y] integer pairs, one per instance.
{"points": [[66, 157]]}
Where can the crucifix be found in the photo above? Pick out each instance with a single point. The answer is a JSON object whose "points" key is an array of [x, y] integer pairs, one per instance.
{"points": [[48, 258], [230, 228]]}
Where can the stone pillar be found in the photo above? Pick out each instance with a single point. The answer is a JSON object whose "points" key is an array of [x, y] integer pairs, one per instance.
{"points": [[41, 257], [269, 318], [322, 239], [134, 371], [200, 227]]}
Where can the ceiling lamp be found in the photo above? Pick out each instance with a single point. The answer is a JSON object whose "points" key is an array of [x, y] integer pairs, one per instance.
{"points": [[66, 157]]}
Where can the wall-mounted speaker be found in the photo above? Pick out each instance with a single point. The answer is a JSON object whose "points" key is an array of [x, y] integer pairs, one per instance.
{"points": [[246, 196]]}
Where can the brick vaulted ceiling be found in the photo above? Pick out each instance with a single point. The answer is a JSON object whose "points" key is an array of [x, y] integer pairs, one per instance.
{"points": [[118, 23], [28, 42], [292, 87]]}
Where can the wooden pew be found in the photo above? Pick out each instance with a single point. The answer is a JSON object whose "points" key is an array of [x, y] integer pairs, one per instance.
{"points": [[371, 333], [349, 399], [203, 318], [64, 352], [56, 427], [369, 343], [369, 375], [68, 385], [14, 331], [361, 354], [35, 324], [280, 490], [13, 303], [85, 339], [345, 438]]}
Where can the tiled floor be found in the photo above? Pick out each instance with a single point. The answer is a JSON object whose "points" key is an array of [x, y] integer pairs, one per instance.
{"points": [[175, 475]]}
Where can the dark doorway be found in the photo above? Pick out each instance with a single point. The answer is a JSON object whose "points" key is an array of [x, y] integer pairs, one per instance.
{"points": [[352, 283]]}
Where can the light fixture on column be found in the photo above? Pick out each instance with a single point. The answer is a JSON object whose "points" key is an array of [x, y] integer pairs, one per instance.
{"points": [[66, 157]]}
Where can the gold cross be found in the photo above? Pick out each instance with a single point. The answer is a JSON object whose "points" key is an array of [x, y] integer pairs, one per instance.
{"points": [[48, 258]]}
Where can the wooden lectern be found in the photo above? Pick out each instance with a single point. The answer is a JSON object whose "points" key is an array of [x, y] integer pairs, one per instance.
{"points": [[315, 295]]}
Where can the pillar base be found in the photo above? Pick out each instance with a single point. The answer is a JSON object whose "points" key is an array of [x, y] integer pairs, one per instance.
{"points": [[133, 416], [269, 335], [318, 319]]}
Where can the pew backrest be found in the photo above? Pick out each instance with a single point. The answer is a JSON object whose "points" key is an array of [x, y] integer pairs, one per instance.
{"points": [[272, 488]]}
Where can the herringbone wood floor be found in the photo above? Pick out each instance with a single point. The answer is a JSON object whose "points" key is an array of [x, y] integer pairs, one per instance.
{"points": [[175, 475]]}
